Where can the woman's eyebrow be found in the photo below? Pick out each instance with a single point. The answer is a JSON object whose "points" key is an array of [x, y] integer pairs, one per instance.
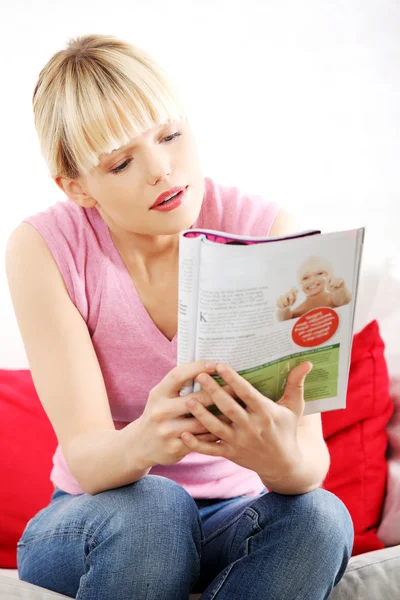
{"points": [[106, 158]]}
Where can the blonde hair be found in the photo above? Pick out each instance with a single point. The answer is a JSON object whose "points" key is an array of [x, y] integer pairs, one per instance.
{"points": [[95, 96], [313, 263]]}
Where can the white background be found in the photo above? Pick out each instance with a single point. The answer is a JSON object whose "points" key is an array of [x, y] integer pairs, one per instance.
{"points": [[296, 100]]}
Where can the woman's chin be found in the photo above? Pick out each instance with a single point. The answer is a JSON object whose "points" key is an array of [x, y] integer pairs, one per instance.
{"points": [[181, 220]]}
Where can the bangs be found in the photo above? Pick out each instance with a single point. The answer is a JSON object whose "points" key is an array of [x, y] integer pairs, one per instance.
{"points": [[107, 104]]}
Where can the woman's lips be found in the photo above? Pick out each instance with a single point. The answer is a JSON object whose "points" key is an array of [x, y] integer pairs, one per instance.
{"points": [[165, 195], [175, 202]]}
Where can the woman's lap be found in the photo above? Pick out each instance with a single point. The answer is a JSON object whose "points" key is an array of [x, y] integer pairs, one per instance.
{"points": [[301, 535], [115, 544], [206, 544]]}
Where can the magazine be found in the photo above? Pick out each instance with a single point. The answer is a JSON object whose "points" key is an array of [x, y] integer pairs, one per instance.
{"points": [[265, 305]]}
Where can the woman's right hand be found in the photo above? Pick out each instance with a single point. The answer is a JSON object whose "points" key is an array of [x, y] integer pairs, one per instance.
{"points": [[163, 421]]}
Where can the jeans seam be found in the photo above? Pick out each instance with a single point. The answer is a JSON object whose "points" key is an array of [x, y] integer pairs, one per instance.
{"points": [[253, 514], [218, 531], [91, 536], [221, 583], [52, 534], [93, 539], [257, 528]]}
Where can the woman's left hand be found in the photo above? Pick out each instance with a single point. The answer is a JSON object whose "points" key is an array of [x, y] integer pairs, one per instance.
{"points": [[261, 437]]}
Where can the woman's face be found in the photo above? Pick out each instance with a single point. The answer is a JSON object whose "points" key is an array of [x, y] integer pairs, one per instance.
{"points": [[127, 181]]}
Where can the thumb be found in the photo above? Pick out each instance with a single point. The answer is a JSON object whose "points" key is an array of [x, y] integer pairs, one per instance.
{"points": [[293, 396]]}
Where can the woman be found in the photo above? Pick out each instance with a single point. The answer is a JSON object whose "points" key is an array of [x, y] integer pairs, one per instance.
{"points": [[149, 503]]}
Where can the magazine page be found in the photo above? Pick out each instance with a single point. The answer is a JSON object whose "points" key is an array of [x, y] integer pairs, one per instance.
{"points": [[264, 308], [189, 260]]}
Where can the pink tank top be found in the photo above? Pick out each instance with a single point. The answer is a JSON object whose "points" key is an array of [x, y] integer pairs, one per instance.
{"points": [[133, 353]]}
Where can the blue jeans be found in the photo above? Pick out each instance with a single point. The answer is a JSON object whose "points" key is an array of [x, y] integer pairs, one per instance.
{"points": [[151, 540]]}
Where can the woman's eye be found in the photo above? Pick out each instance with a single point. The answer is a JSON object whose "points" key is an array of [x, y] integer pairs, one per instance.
{"points": [[124, 165], [169, 138], [121, 167]]}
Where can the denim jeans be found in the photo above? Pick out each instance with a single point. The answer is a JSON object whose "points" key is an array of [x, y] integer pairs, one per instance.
{"points": [[151, 540]]}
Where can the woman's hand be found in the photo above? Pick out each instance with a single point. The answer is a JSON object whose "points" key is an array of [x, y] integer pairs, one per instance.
{"points": [[165, 417], [263, 436]]}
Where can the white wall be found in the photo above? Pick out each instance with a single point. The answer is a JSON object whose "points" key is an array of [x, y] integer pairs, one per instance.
{"points": [[295, 100]]}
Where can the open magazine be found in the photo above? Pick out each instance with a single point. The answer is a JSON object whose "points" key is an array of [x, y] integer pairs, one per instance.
{"points": [[264, 305]]}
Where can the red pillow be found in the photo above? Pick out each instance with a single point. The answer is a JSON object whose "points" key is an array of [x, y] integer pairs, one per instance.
{"points": [[357, 439], [27, 444]]}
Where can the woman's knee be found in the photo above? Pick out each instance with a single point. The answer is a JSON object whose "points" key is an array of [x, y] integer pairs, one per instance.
{"points": [[152, 496], [153, 505], [319, 515], [330, 518], [150, 522], [327, 520], [150, 528], [331, 530]]}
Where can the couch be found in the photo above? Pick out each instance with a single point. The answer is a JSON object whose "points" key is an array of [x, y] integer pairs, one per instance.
{"points": [[363, 439]]}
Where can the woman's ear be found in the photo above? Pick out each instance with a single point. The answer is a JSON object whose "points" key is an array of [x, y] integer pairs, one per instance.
{"points": [[74, 190]]}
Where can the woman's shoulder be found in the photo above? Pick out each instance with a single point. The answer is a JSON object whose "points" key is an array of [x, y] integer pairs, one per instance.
{"points": [[71, 235], [232, 209], [63, 216], [68, 228]]}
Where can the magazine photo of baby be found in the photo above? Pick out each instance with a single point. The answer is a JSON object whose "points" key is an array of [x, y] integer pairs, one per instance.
{"points": [[319, 285]]}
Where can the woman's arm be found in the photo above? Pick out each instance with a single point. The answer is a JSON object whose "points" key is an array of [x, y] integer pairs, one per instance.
{"points": [[284, 224], [65, 369], [310, 434]]}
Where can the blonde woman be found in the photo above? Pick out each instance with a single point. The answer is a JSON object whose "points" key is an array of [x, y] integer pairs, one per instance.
{"points": [[149, 503]]}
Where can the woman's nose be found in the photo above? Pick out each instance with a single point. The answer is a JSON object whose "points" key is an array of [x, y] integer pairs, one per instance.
{"points": [[158, 169]]}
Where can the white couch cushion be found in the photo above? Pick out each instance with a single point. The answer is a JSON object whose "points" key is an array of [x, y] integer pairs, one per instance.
{"points": [[13, 589], [370, 576]]}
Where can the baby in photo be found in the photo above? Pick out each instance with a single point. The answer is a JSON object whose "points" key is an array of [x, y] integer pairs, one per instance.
{"points": [[320, 287]]}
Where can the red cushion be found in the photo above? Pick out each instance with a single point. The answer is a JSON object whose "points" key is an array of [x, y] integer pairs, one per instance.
{"points": [[27, 444], [357, 439]]}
